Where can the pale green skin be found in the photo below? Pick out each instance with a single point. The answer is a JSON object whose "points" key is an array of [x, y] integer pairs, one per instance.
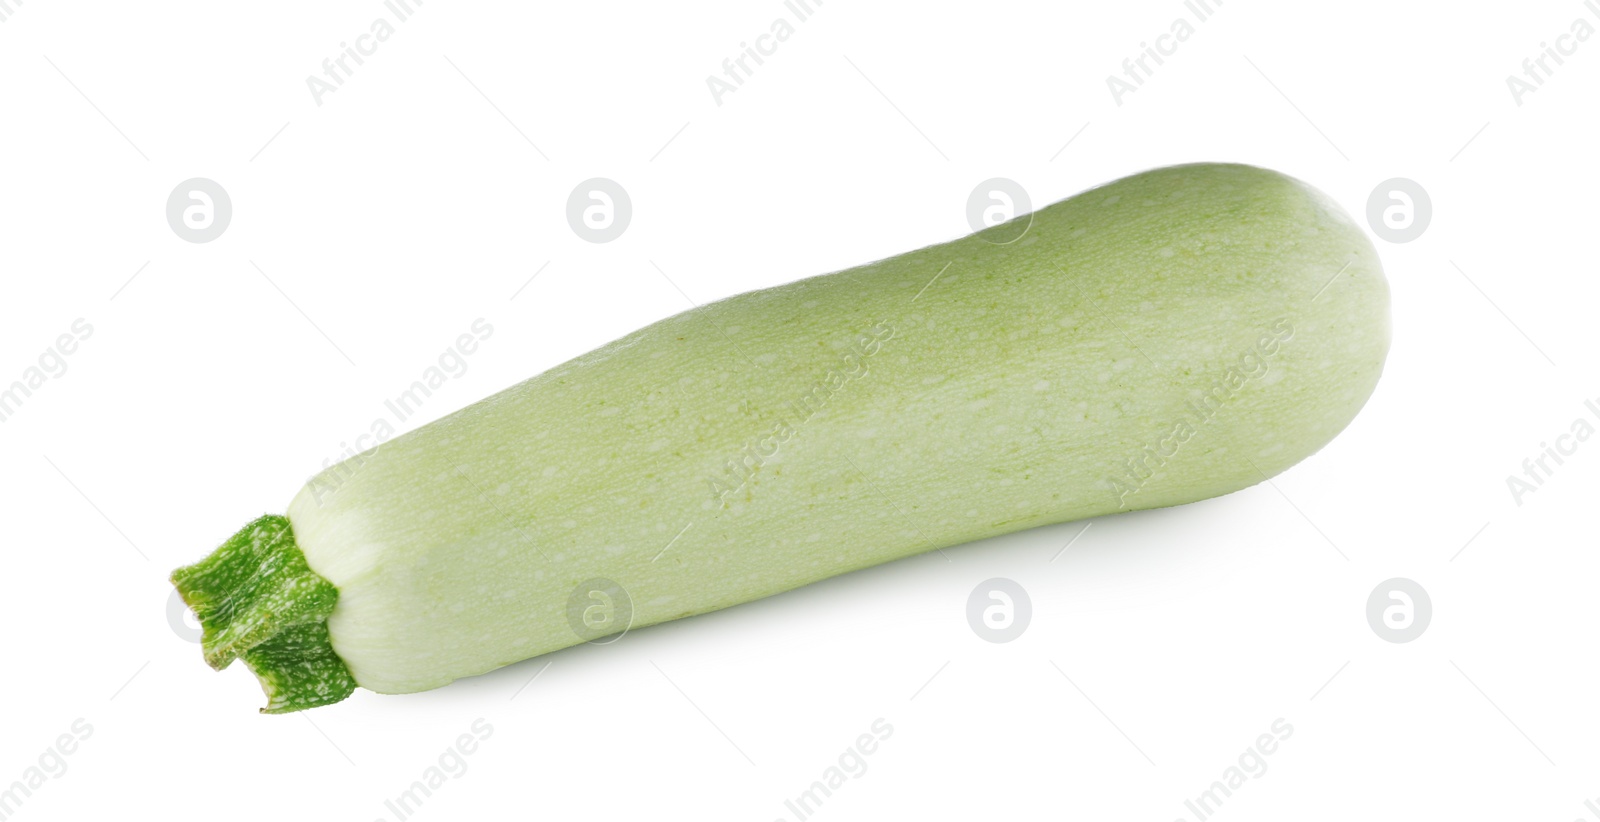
{"points": [[1007, 397]]}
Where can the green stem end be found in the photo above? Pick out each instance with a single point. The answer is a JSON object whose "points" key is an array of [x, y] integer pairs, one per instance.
{"points": [[257, 599]]}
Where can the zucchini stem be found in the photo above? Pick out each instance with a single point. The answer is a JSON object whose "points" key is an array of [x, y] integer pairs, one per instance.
{"points": [[257, 599]]}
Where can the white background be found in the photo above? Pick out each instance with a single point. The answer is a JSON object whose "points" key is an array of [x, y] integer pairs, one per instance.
{"points": [[369, 231]]}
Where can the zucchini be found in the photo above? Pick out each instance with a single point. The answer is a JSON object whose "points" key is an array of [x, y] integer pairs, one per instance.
{"points": [[1171, 336]]}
